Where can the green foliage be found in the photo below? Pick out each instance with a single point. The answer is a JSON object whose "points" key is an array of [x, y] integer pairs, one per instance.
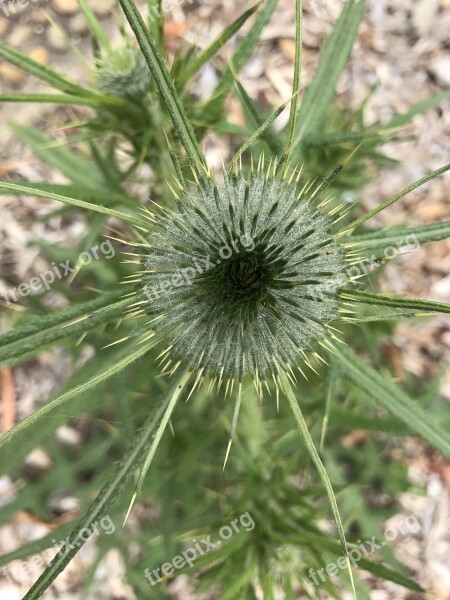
{"points": [[140, 106]]}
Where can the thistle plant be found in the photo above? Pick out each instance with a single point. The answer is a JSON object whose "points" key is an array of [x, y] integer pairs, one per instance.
{"points": [[239, 280]]}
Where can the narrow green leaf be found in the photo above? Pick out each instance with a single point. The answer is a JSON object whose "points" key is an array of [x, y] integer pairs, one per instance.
{"points": [[94, 24], [381, 238], [107, 495], [59, 156], [93, 100], [417, 109], [235, 589], [300, 420], [210, 51], [392, 398], [329, 390], [396, 197], [39, 323], [378, 570], [258, 134], [297, 76], [395, 302], [30, 344], [41, 71], [44, 193], [165, 84], [91, 195], [17, 441], [332, 61], [155, 20], [241, 55], [255, 121]]}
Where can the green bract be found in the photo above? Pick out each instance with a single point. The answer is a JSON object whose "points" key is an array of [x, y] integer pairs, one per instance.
{"points": [[244, 278]]}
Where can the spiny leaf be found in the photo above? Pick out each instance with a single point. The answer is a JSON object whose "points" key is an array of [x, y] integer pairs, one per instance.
{"points": [[165, 84], [395, 302], [381, 238], [300, 420], [397, 196], [391, 398], [240, 57], [107, 495], [29, 343], [297, 76], [44, 193], [14, 442]]}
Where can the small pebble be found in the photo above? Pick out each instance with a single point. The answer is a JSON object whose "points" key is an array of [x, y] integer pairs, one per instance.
{"points": [[56, 40], [103, 7], [61, 503], [39, 54], [12, 74], [19, 35], [440, 67], [78, 24], [37, 462], [40, 16], [68, 436], [65, 7]]}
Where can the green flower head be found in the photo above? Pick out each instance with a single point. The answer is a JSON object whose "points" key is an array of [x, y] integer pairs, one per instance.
{"points": [[243, 278], [123, 72]]}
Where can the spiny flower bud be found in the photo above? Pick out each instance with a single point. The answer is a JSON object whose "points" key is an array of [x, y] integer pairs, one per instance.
{"points": [[286, 562], [244, 277], [123, 72]]}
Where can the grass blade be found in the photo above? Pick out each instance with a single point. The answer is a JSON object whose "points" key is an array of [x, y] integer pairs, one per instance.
{"points": [[41, 71], [31, 343], [209, 52], [44, 193], [395, 302], [381, 238], [93, 100], [57, 154], [86, 194], [332, 61], [15, 443], [396, 197], [301, 424], [165, 84], [240, 57], [297, 75], [259, 133], [391, 398], [107, 495], [94, 24]]}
